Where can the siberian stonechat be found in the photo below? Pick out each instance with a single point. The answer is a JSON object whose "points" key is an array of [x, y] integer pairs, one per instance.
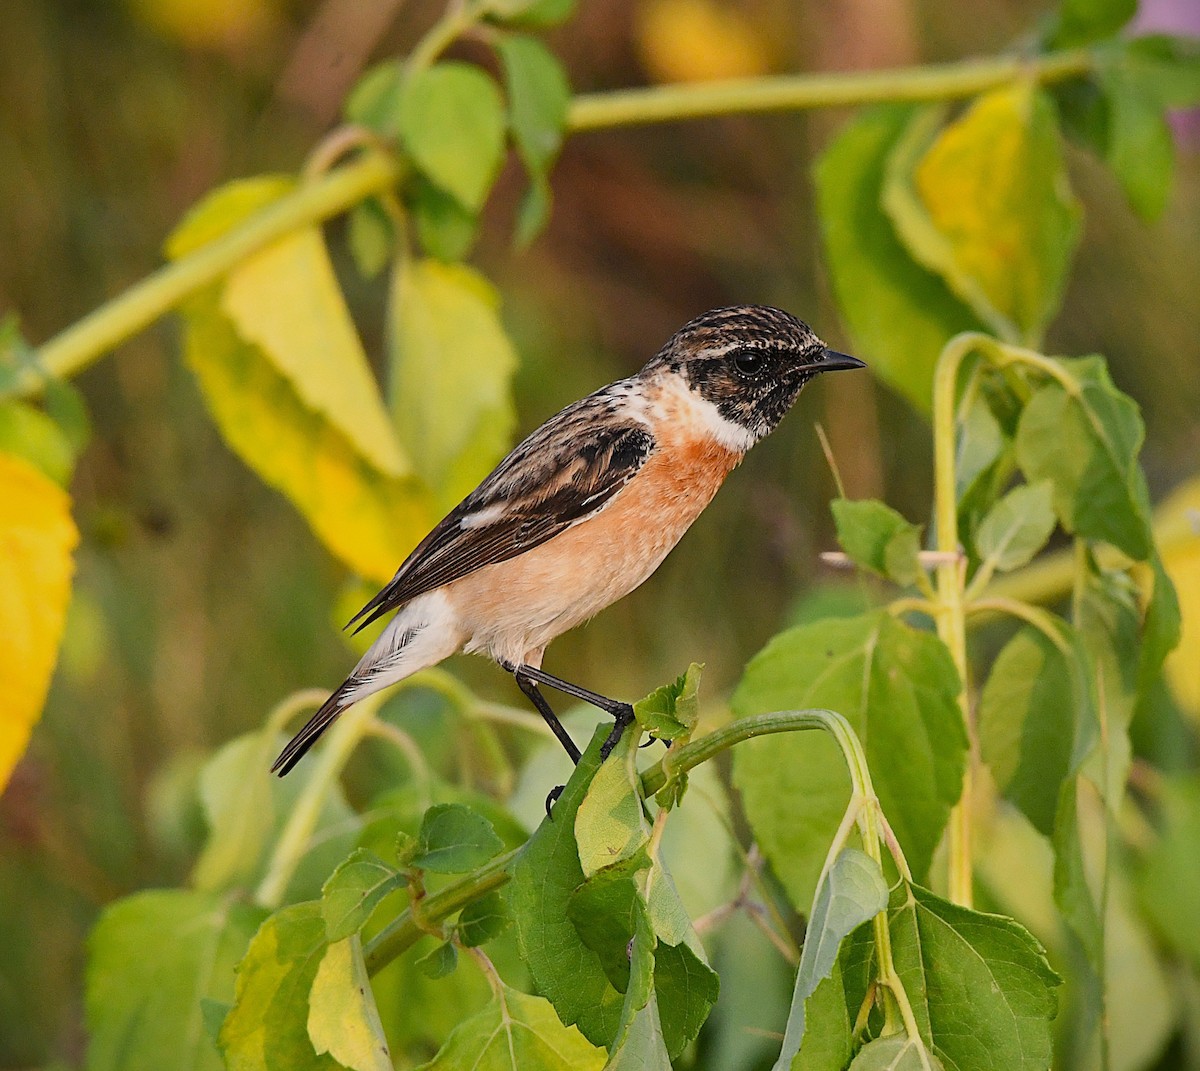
{"points": [[584, 510]]}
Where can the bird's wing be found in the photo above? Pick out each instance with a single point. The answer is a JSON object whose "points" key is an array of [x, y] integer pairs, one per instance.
{"points": [[566, 471]]}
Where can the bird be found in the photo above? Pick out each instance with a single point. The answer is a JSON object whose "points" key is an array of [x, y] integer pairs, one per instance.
{"points": [[582, 511]]}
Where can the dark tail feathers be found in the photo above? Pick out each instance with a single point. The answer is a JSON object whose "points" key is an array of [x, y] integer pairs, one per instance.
{"points": [[317, 724]]}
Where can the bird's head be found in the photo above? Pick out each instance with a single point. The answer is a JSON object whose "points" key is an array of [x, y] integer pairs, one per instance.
{"points": [[750, 361]]}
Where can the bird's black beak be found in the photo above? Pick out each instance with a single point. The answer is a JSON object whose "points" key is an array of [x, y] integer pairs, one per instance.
{"points": [[833, 361]]}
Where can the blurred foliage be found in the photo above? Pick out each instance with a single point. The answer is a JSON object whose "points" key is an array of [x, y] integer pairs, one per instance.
{"points": [[201, 598]]}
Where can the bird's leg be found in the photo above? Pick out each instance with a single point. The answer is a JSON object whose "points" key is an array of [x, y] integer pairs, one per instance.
{"points": [[529, 686], [621, 712]]}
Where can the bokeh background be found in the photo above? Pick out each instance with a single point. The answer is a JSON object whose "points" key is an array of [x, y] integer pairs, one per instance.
{"points": [[201, 596]]}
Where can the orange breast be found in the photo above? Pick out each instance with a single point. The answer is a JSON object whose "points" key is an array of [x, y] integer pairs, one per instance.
{"points": [[513, 609]]}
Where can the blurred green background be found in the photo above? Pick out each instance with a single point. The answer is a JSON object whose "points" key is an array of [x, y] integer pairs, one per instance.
{"points": [[201, 596]]}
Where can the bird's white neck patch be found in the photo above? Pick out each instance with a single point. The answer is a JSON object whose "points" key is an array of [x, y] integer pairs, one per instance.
{"points": [[702, 414]]}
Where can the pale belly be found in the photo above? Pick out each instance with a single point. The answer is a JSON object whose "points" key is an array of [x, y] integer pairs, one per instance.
{"points": [[513, 609]]}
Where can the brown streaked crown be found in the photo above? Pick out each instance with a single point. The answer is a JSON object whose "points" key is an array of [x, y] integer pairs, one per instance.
{"points": [[750, 361]]}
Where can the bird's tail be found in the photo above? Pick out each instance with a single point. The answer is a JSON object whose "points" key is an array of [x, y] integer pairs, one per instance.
{"points": [[418, 637]]}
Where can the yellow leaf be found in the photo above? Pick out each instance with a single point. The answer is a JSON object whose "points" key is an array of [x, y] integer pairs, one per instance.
{"points": [[1182, 560], [368, 519], [37, 537], [698, 41], [287, 382], [993, 212], [286, 301], [452, 364]]}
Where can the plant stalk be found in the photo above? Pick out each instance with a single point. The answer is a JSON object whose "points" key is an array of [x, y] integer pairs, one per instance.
{"points": [[133, 310], [950, 613], [795, 92]]}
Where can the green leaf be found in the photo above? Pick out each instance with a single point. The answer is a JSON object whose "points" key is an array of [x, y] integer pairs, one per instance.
{"points": [[451, 370], [354, 891], [153, 958], [342, 1017], [898, 689], [538, 93], [533, 13], [899, 315], [439, 962], [1027, 724], [533, 213], [563, 968], [1141, 147], [483, 920], [446, 230], [685, 990], [29, 433], [1086, 442], [371, 236], [267, 1027], [1164, 67], [1016, 527], [611, 826], [377, 99], [452, 124], [878, 538], [852, 892], [981, 441], [352, 484], [1169, 882], [1162, 626], [982, 991], [639, 1044], [987, 206], [604, 910], [454, 839], [1079, 22], [895, 1054], [673, 710], [516, 1032]]}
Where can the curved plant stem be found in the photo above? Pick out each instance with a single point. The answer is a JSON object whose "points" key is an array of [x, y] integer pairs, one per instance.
{"points": [[136, 308], [946, 81], [376, 172], [404, 931], [352, 725], [951, 611]]}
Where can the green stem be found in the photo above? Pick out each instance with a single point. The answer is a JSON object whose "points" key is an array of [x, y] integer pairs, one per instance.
{"points": [[951, 612], [781, 721], [405, 931], [135, 309], [350, 728], [945, 81]]}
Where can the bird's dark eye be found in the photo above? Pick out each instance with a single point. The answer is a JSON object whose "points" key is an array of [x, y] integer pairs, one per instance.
{"points": [[748, 362]]}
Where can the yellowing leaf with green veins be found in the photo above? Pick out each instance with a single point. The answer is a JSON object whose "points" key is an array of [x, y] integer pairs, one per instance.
{"points": [[286, 301], [899, 315], [452, 367], [347, 477], [37, 538], [267, 1027], [988, 207], [516, 1032], [342, 1017]]}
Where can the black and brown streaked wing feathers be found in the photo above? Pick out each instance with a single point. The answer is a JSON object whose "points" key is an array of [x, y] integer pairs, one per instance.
{"points": [[568, 469]]}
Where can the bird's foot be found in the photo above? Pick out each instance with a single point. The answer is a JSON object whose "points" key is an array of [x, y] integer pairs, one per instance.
{"points": [[551, 796], [623, 718]]}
